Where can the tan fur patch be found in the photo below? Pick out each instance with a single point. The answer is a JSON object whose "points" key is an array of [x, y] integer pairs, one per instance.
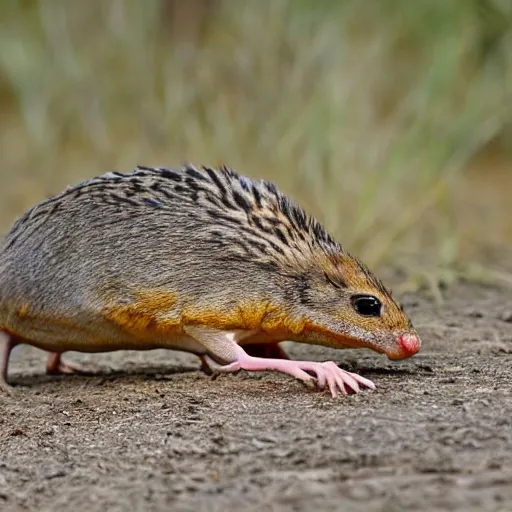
{"points": [[154, 313], [145, 316], [23, 310]]}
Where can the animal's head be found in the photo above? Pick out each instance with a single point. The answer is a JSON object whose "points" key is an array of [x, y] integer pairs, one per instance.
{"points": [[347, 306]]}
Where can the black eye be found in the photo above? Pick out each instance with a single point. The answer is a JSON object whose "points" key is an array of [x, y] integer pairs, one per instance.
{"points": [[366, 305]]}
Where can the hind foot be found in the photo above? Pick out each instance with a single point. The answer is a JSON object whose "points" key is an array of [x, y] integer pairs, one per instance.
{"points": [[56, 366], [5, 389]]}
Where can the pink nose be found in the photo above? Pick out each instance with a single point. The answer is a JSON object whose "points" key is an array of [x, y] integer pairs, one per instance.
{"points": [[410, 343]]}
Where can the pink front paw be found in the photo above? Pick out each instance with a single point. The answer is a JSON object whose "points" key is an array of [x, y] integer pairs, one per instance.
{"points": [[329, 374]]}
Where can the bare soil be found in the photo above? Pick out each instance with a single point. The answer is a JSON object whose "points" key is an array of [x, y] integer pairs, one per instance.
{"points": [[151, 432]]}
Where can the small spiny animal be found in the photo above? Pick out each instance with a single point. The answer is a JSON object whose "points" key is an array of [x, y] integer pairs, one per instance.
{"points": [[196, 259]]}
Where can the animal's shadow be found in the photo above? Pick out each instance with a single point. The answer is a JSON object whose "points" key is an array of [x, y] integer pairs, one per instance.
{"points": [[104, 375], [161, 373], [375, 370]]}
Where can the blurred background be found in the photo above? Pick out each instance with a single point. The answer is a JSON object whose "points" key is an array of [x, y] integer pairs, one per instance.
{"points": [[390, 120]]}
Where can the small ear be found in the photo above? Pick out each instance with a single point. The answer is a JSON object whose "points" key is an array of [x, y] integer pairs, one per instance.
{"points": [[338, 282]]}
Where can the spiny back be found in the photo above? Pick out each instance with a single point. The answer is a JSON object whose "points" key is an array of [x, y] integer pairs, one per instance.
{"points": [[243, 220]]}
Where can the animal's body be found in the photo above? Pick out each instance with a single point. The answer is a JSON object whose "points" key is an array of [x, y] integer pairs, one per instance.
{"points": [[201, 260]]}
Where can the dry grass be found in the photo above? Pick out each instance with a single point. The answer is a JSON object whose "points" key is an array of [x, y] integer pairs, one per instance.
{"points": [[372, 113]]}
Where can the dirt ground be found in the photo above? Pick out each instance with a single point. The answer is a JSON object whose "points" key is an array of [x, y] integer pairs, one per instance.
{"points": [[153, 433]]}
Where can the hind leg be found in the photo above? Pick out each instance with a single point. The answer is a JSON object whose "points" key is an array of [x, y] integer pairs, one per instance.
{"points": [[7, 343], [56, 365], [268, 350]]}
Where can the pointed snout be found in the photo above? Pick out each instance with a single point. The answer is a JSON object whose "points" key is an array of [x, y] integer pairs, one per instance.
{"points": [[408, 345]]}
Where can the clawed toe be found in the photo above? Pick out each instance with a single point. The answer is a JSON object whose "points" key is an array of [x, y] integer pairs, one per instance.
{"points": [[329, 375]]}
